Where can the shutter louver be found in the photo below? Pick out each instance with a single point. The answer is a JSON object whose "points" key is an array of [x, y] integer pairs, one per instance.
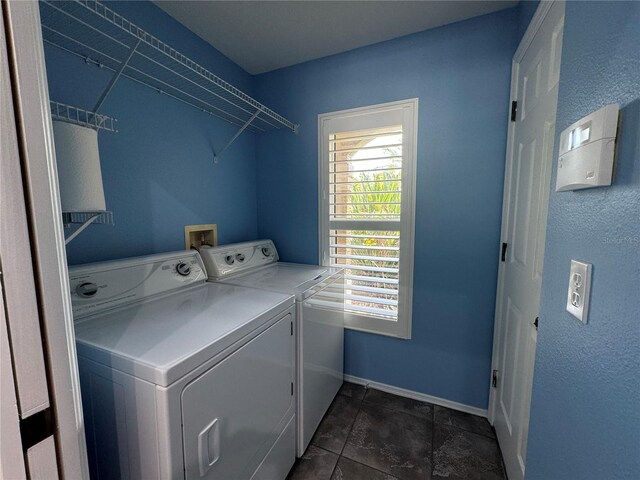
{"points": [[365, 188]]}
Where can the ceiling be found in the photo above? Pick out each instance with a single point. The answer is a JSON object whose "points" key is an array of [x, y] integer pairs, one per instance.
{"points": [[261, 36]]}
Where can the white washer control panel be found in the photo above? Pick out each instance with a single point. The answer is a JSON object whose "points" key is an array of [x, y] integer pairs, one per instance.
{"points": [[225, 260], [101, 286]]}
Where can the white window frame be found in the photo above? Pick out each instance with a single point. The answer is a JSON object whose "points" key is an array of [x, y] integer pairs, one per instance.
{"points": [[381, 115]]}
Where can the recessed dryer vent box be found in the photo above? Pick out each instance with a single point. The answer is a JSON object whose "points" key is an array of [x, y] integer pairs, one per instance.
{"points": [[587, 149], [197, 235]]}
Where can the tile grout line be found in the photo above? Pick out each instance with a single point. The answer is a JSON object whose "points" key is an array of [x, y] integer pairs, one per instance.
{"points": [[455, 427], [354, 461], [349, 433], [493, 430], [397, 410], [370, 467], [426, 419], [350, 430], [352, 424], [361, 403], [333, 453]]}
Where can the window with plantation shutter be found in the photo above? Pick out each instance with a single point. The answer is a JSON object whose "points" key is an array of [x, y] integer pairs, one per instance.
{"points": [[367, 191]]}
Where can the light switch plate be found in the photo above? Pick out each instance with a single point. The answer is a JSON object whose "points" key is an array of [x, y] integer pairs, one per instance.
{"points": [[579, 290]]}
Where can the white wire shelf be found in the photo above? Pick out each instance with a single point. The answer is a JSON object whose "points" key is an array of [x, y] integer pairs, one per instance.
{"points": [[100, 36], [102, 217], [79, 116]]}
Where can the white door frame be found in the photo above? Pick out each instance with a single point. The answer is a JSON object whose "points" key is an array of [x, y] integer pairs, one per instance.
{"points": [[532, 30], [37, 154]]}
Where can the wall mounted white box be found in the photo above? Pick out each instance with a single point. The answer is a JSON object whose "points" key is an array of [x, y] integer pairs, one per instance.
{"points": [[587, 150]]}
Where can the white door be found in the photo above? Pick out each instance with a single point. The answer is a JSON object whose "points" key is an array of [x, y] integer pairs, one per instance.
{"points": [[535, 78], [41, 425]]}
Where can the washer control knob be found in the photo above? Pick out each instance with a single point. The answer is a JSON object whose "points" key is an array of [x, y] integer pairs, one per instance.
{"points": [[266, 251], [229, 259], [87, 289], [240, 257], [183, 269]]}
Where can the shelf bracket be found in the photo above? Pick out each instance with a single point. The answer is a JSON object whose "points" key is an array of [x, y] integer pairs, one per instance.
{"points": [[115, 78], [233, 139], [80, 229], [84, 219]]}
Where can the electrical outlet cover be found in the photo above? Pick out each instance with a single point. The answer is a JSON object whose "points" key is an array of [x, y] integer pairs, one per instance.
{"points": [[579, 290]]}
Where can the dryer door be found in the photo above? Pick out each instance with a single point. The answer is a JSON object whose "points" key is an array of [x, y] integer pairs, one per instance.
{"points": [[233, 413]]}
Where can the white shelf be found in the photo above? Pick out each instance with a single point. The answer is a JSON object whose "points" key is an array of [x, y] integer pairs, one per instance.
{"points": [[102, 217], [79, 116], [97, 34]]}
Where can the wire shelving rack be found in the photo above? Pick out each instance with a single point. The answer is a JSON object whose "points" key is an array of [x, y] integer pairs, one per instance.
{"points": [[79, 116], [100, 36]]}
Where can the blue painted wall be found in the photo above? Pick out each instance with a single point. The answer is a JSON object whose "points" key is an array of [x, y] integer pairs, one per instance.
{"points": [[585, 417], [526, 10], [461, 74], [159, 176], [157, 170]]}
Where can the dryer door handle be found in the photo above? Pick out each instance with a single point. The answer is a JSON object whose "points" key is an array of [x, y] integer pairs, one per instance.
{"points": [[204, 447]]}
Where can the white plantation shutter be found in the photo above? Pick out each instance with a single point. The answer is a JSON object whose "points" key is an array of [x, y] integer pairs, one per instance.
{"points": [[367, 164], [365, 183]]}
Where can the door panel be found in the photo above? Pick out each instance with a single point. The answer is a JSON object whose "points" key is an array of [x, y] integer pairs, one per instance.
{"points": [[527, 184], [15, 257], [555, 55], [522, 212], [512, 345], [42, 460], [530, 88], [545, 181], [42, 255], [233, 413], [10, 439]]}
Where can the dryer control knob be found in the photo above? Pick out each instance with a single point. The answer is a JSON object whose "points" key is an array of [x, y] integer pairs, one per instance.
{"points": [[240, 257], [229, 259], [87, 289], [183, 269], [266, 251]]}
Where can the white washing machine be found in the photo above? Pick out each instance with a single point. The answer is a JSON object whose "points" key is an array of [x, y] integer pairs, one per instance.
{"points": [[319, 293], [182, 378]]}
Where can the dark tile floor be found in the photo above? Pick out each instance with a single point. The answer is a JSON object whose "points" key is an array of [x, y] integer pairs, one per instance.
{"points": [[373, 435]]}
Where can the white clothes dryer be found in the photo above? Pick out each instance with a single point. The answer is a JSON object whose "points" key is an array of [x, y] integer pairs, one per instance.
{"points": [[319, 294], [181, 378]]}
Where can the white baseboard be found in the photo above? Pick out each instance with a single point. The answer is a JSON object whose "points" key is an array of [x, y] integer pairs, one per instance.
{"points": [[403, 392]]}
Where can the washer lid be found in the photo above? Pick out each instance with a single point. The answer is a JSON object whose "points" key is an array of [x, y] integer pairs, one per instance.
{"points": [[163, 339], [299, 279]]}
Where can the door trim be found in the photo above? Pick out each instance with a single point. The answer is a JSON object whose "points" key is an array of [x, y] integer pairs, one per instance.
{"points": [[536, 22], [35, 132]]}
